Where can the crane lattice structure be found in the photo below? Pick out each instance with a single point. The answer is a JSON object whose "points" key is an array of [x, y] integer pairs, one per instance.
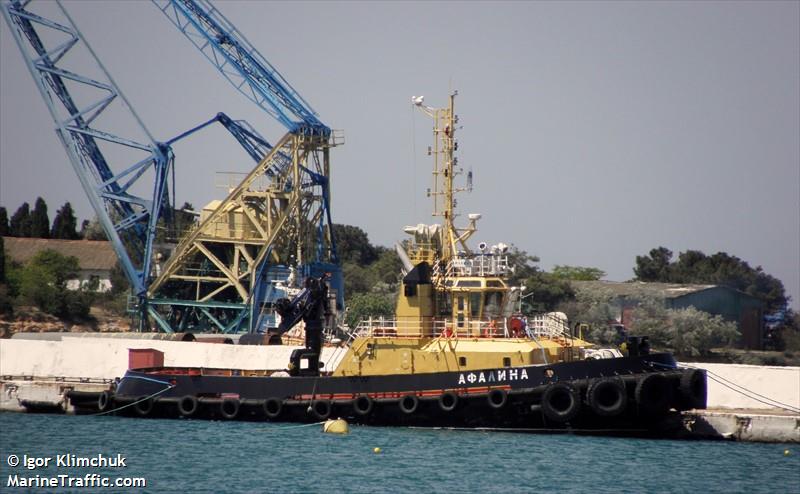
{"points": [[280, 213], [128, 212], [215, 278]]}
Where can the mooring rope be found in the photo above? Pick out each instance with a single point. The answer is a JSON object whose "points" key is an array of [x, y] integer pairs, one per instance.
{"points": [[169, 386], [743, 391], [285, 427]]}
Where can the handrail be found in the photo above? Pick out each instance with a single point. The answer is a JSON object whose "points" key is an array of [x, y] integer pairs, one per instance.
{"points": [[542, 326]]}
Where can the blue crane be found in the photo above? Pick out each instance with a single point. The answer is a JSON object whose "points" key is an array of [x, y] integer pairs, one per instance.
{"points": [[241, 64], [129, 220], [253, 76]]}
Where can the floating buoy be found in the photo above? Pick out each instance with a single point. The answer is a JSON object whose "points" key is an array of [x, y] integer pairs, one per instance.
{"points": [[786, 452], [338, 426], [376, 450]]}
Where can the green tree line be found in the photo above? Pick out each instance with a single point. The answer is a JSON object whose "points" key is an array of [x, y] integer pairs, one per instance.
{"points": [[372, 275], [35, 223]]}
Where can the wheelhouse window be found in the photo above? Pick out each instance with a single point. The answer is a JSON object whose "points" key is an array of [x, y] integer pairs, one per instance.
{"points": [[475, 305], [494, 304]]}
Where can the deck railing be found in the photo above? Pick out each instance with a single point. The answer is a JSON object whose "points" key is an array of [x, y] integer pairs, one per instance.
{"points": [[550, 325]]}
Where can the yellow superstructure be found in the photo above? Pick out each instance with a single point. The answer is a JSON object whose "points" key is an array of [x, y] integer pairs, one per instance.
{"points": [[455, 310]]}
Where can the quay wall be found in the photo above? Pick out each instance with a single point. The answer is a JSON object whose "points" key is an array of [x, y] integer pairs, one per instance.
{"points": [[107, 358], [103, 358], [781, 384]]}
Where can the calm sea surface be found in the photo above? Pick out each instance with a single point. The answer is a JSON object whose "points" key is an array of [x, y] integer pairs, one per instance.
{"points": [[204, 456]]}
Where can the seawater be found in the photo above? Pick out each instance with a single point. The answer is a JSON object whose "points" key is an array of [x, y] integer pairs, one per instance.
{"points": [[209, 456]]}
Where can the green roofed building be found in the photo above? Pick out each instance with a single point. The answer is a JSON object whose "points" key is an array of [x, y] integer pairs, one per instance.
{"points": [[732, 305]]}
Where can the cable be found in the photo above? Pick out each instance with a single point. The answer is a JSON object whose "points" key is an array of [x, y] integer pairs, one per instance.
{"points": [[779, 404], [743, 391], [285, 427], [135, 402], [732, 385], [750, 391]]}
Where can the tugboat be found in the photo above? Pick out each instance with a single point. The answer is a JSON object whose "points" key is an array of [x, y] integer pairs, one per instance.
{"points": [[457, 353]]}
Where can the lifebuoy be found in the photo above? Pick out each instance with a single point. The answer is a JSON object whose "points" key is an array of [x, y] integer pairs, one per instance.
{"points": [[105, 400], [490, 330], [497, 398], [561, 402], [607, 397], [363, 405], [143, 407], [694, 388], [408, 404], [273, 407], [229, 408], [448, 401], [188, 405], [654, 394], [321, 409], [516, 326]]}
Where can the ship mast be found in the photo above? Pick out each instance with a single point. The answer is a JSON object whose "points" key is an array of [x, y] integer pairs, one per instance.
{"points": [[445, 170]]}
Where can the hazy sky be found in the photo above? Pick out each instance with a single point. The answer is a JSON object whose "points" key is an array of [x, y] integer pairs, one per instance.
{"points": [[595, 131]]}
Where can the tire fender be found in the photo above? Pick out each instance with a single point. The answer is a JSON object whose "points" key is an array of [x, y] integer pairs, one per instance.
{"points": [[229, 408], [561, 402], [607, 397], [188, 405], [497, 398]]}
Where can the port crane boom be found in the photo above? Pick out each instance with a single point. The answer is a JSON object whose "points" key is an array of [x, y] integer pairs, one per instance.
{"points": [[279, 214], [275, 220], [241, 64], [128, 217]]}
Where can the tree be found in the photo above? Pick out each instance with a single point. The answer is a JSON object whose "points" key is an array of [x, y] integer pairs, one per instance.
{"points": [[93, 230], [64, 224], [593, 306], [721, 268], [119, 281], [686, 331], [357, 279], [2, 260], [577, 273], [40, 221], [654, 267], [387, 267], [43, 282], [20, 224], [352, 244], [4, 228], [365, 305], [6, 307], [548, 291], [522, 265]]}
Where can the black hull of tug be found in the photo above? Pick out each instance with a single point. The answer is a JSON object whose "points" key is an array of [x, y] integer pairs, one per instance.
{"points": [[620, 395]]}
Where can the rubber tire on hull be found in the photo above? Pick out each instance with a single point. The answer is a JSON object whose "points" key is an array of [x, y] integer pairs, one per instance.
{"points": [[273, 407], [105, 400], [321, 409], [448, 401], [694, 388], [144, 407], [229, 408], [363, 405], [561, 402], [607, 397], [188, 406], [408, 404], [497, 398], [654, 394]]}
